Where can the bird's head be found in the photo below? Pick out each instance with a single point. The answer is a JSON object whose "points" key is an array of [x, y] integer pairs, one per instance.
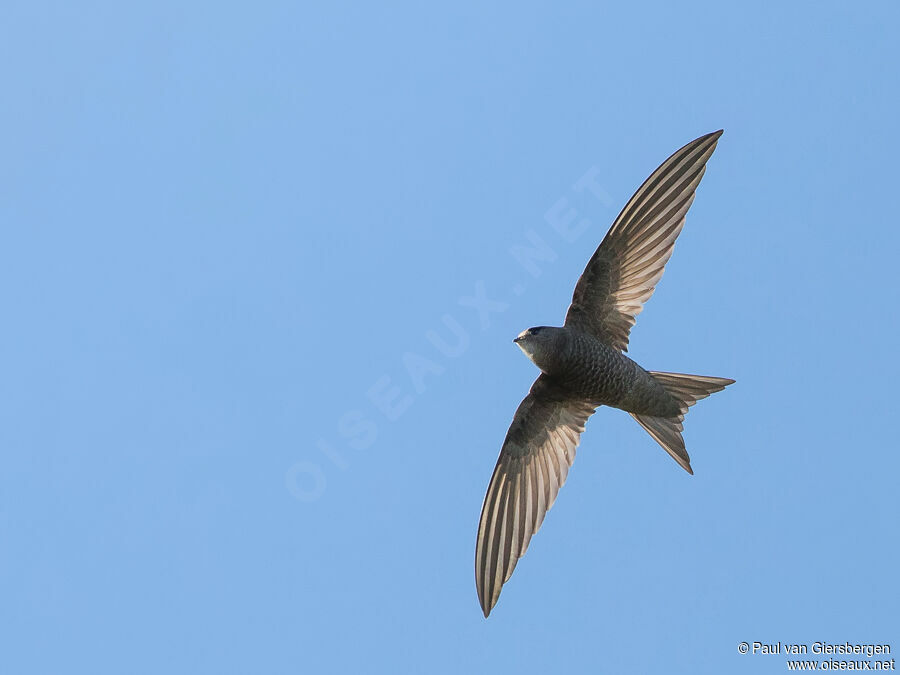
{"points": [[542, 345]]}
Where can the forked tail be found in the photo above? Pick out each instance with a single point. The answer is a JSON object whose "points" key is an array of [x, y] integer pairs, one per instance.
{"points": [[687, 390]]}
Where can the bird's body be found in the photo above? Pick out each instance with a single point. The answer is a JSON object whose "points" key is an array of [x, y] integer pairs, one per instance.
{"points": [[583, 366], [587, 368]]}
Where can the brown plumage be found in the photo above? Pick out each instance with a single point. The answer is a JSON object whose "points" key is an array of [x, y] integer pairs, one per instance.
{"points": [[583, 366]]}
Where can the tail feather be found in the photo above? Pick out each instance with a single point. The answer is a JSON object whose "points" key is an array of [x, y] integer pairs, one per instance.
{"points": [[687, 390]]}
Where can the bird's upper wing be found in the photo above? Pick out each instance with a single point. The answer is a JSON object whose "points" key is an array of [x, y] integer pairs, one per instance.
{"points": [[533, 465], [629, 262]]}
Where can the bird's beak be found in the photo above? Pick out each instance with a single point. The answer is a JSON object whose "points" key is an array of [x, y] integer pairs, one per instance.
{"points": [[516, 339], [520, 336]]}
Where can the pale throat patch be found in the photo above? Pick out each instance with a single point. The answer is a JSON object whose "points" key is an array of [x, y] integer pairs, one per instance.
{"points": [[525, 345]]}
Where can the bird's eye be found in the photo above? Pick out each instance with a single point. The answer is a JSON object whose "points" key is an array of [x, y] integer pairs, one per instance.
{"points": [[535, 331]]}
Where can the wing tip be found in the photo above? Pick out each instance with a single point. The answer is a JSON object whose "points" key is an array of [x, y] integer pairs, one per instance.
{"points": [[712, 138], [488, 603], [484, 599]]}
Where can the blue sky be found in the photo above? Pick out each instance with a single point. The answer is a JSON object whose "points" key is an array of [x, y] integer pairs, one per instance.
{"points": [[231, 233]]}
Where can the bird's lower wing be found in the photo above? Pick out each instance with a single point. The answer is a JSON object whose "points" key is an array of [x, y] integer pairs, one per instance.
{"points": [[533, 465], [623, 272]]}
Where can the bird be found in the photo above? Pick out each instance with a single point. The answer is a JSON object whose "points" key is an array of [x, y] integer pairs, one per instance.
{"points": [[583, 366]]}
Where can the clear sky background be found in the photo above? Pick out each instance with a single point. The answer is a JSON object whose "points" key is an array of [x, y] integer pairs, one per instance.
{"points": [[225, 226]]}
